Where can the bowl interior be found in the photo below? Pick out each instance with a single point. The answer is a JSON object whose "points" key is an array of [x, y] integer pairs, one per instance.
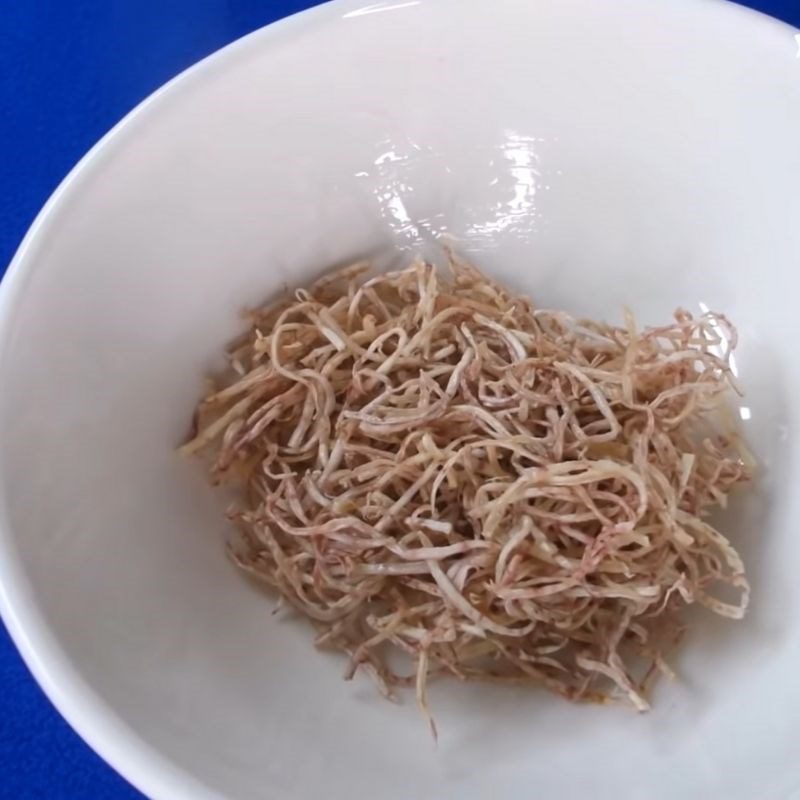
{"points": [[583, 152]]}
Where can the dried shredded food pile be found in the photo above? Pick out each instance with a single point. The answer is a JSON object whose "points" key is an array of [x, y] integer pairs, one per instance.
{"points": [[432, 465]]}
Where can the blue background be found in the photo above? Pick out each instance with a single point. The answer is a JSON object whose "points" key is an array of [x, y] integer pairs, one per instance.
{"points": [[69, 70]]}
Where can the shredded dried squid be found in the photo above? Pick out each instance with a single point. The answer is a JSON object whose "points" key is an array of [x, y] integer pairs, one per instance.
{"points": [[432, 466]]}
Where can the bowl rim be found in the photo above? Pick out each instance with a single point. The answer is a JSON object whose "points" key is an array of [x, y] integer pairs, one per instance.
{"points": [[86, 712]]}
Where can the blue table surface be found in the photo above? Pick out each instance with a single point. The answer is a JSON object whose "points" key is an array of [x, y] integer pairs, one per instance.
{"points": [[69, 70]]}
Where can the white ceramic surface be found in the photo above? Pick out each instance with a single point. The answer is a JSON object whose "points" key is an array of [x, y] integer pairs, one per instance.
{"points": [[595, 154]]}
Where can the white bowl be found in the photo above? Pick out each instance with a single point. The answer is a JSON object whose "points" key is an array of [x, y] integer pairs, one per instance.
{"points": [[594, 154]]}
